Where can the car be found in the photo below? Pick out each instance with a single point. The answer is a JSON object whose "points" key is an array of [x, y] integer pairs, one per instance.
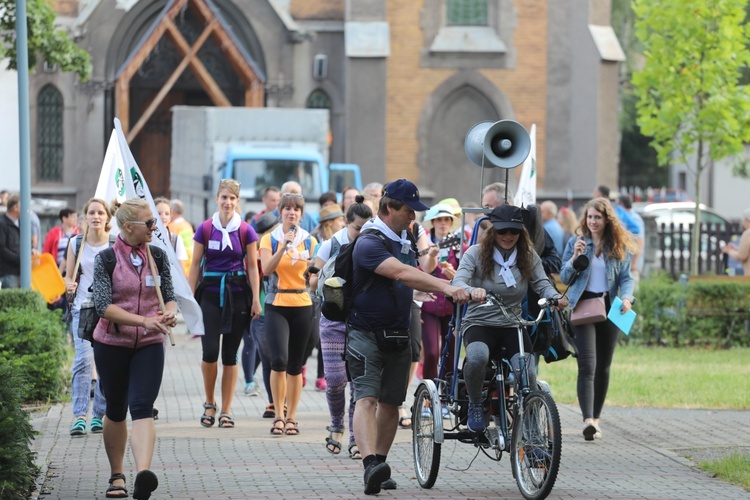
{"points": [[680, 212]]}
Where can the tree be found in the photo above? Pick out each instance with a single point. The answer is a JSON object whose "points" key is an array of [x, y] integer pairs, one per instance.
{"points": [[44, 39], [691, 101]]}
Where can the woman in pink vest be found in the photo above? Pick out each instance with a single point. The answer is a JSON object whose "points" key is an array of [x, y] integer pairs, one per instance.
{"points": [[128, 344]]}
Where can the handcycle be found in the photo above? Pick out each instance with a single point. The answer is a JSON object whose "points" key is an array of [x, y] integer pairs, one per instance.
{"points": [[522, 420]]}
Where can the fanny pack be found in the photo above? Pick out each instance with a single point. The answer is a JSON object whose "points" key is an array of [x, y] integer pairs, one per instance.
{"points": [[392, 340]]}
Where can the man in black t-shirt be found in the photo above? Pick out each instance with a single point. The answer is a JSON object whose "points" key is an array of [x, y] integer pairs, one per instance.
{"points": [[378, 347]]}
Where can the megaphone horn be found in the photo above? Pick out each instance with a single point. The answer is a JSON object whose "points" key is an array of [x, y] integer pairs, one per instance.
{"points": [[503, 144]]}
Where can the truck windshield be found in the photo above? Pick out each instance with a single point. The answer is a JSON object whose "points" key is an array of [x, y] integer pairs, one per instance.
{"points": [[257, 175], [338, 180]]}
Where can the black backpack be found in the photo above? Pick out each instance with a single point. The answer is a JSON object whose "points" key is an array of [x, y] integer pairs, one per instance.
{"points": [[338, 290]]}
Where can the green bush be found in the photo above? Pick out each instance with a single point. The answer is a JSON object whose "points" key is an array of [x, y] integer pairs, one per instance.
{"points": [[32, 340], [17, 469], [700, 312]]}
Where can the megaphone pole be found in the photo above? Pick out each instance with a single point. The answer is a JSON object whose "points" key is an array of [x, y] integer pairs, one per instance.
{"points": [[481, 182]]}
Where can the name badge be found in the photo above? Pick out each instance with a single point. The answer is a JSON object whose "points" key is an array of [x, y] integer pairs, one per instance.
{"points": [[213, 245], [304, 255], [508, 278], [150, 280], [405, 248]]}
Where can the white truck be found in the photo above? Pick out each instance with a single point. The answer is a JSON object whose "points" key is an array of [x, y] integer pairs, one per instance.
{"points": [[259, 147]]}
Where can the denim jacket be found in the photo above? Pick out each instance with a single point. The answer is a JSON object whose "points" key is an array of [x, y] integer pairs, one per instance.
{"points": [[618, 274]]}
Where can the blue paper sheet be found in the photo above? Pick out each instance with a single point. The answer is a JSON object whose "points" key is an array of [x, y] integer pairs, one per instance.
{"points": [[622, 321]]}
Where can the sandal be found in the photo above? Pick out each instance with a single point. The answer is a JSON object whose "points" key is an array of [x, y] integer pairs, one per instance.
{"points": [[145, 483], [293, 430], [117, 491], [278, 431], [226, 421], [208, 420], [270, 411], [79, 427], [332, 445], [354, 453], [404, 422]]}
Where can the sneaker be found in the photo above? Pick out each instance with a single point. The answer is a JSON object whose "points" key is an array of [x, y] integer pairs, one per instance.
{"points": [[426, 413], [475, 419], [251, 389], [320, 385], [598, 433], [389, 484], [446, 413], [79, 427], [375, 475], [96, 426]]}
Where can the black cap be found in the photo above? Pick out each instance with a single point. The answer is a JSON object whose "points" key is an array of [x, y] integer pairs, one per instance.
{"points": [[506, 217]]}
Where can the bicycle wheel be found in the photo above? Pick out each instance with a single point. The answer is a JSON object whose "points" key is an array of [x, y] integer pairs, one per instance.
{"points": [[426, 449], [536, 446]]}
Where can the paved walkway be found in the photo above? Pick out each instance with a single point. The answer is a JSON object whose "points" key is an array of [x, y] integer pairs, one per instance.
{"points": [[639, 457]]}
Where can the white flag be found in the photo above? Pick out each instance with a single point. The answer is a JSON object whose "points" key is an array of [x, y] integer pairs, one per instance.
{"points": [[121, 179], [526, 194]]}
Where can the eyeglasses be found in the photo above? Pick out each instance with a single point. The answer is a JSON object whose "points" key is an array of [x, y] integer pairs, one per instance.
{"points": [[292, 195], [511, 230], [149, 223]]}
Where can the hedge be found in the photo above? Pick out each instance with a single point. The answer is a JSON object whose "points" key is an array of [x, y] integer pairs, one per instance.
{"points": [[32, 340], [703, 312]]}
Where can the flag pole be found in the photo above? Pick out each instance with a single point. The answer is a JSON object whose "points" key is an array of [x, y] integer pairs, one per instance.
{"points": [[163, 307]]}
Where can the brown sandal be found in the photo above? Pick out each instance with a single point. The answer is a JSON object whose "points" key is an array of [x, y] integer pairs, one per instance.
{"points": [[278, 431], [293, 429]]}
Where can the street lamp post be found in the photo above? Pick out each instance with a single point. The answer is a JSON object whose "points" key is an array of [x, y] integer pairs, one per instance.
{"points": [[22, 65]]}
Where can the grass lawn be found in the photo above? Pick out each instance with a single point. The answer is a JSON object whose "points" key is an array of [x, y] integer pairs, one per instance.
{"points": [[733, 469], [664, 378]]}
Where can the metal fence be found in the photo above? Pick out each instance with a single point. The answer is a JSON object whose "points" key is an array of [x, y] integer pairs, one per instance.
{"points": [[673, 245]]}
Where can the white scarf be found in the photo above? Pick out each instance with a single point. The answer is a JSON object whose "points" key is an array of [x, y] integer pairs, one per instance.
{"points": [[381, 226], [233, 225], [505, 272], [299, 236]]}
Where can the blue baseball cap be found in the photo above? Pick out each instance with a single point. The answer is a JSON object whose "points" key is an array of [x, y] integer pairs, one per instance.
{"points": [[406, 192]]}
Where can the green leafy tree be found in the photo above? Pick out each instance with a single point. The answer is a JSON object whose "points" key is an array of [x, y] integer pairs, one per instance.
{"points": [[44, 39], [691, 101]]}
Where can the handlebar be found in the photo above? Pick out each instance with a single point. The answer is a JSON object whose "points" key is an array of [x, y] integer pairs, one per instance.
{"points": [[544, 304]]}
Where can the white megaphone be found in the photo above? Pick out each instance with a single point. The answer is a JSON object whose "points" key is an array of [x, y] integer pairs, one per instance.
{"points": [[503, 144]]}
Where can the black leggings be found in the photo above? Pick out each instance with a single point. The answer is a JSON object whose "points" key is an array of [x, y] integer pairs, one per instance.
{"points": [[288, 331], [596, 347], [129, 378], [230, 343]]}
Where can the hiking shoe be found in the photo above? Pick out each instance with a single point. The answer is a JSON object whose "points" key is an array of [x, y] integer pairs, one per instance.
{"points": [[375, 475], [96, 426], [445, 413], [475, 419], [389, 484], [79, 427]]}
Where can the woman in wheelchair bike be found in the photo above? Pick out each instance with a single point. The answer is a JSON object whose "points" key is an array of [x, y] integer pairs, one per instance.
{"points": [[504, 262]]}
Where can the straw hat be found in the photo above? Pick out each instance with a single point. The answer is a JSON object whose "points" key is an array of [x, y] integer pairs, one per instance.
{"points": [[330, 212]]}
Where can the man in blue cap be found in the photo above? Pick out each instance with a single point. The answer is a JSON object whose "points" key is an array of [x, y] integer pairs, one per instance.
{"points": [[378, 346]]}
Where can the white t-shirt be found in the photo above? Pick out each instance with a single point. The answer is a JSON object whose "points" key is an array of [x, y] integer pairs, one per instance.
{"points": [[342, 236], [598, 277], [87, 271]]}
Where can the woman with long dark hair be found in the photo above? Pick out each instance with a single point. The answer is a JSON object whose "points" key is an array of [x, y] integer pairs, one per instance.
{"points": [[505, 263]]}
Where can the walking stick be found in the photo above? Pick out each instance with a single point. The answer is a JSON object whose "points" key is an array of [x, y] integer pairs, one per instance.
{"points": [[163, 308], [71, 298]]}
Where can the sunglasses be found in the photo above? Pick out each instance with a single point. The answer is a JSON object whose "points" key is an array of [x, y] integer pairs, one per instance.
{"points": [[149, 223], [233, 182], [292, 195], [513, 231]]}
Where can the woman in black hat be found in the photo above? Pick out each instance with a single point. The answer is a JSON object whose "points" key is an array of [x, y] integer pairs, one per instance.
{"points": [[504, 262]]}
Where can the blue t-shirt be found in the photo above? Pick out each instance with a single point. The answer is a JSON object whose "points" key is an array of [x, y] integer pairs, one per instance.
{"points": [[555, 231], [386, 303]]}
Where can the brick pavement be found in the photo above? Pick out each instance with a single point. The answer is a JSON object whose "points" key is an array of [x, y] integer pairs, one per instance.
{"points": [[638, 457]]}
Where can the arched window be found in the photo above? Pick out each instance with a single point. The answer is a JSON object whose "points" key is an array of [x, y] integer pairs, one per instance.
{"points": [[318, 99], [50, 135]]}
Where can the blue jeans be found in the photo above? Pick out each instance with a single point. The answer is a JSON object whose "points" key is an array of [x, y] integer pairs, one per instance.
{"points": [[250, 356], [82, 369], [258, 332]]}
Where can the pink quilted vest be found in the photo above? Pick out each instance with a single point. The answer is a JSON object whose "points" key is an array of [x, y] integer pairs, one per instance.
{"points": [[130, 292]]}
